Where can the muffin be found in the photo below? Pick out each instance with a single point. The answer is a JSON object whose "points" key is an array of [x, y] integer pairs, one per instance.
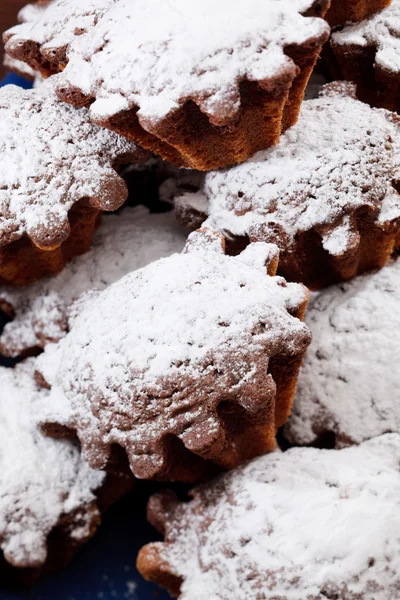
{"points": [[50, 501], [215, 103], [367, 54], [353, 11], [348, 388], [57, 175], [29, 14], [124, 242], [188, 363], [304, 524], [326, 195]]}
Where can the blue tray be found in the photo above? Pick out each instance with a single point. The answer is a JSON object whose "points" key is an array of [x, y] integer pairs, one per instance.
{"points": [[104, 569]]}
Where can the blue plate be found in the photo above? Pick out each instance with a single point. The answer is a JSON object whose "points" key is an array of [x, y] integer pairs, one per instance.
{"points": [[104, 569]]}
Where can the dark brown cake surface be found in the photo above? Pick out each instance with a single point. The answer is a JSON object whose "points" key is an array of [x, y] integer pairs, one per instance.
{"points": [[342, 12], [367, 53]]}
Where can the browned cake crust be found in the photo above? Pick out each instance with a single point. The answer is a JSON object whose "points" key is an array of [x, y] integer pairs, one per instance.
{"points": [[189, 136], [353, 11], [21, 262]]}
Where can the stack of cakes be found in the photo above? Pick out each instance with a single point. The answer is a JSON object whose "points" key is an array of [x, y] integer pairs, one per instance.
{"points": [[165, 341]]}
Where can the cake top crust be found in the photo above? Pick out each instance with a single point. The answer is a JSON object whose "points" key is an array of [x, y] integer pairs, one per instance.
{"points": [[197, 51], [348, 384], [42, 480], [287, 525], [124, 242], [381, 31], [341, 158], [169, 340], [53, 157]]}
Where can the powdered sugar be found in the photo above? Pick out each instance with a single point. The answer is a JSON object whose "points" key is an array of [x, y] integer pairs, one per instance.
{"points": [[302, 524], [124, 242], [192, 50], [55, 24], [52, 157], [341, 158], [17, 66], [143, 353], [41, 480], [380, 31], [349, 381]]}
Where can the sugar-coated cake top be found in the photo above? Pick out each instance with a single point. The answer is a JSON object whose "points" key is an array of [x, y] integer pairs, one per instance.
{"points": [[124, 242], [197, 51], [349, 380], [306, 523], [52, 157], [340, 158], [140, 353], [381, 31], [41, 480]]}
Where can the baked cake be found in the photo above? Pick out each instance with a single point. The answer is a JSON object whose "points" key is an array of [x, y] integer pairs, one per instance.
{"points": [[206, 86], [29, 14], [368, 54], [349, 382], [342, 12], [57, 174], [303, 524], [124, 242], [189, 361], [49, 495], [326, 195]]}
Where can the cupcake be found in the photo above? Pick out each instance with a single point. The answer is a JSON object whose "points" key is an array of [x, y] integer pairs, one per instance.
{"points": [[187, 364], [348, 388], [205, 86], [51, 500], [303, 524], [368, 55], [57, 175], [326, 195], [124, 242], [352, 11]]}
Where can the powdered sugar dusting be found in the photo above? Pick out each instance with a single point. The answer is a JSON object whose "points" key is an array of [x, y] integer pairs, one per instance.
{"points": [[193, 50], [341, 158], [349, 381], [41, 480], [143, 353], [52, 158], [17, 66], [124, 242], [380, 31], [306, 523]]}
